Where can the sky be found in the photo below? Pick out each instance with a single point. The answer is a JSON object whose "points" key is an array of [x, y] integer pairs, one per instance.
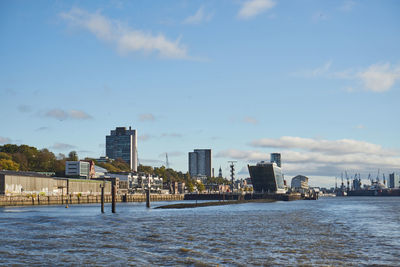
{"points": [[317, 81]]}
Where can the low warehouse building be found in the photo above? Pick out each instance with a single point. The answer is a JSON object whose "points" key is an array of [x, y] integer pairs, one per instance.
{"points": [[23, 183]]}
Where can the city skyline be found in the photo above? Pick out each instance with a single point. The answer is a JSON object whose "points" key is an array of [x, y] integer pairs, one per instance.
{"points": [[315, 81]]}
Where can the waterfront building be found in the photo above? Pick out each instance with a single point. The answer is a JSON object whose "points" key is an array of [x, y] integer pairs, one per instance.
{"points": [[99, 171], [267, 177], [299, 182], [276, 157], [122, 143], [200, 162], [28, 183], [394, 180], [79, 169]]}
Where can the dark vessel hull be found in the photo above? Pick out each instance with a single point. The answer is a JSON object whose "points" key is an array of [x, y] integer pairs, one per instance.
{"points": [[379, 193]]}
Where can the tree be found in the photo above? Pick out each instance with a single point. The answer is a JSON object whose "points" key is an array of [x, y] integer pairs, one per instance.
{"points": [[22, 160], [45, 160], [4, 155], [121, 165], [200, 187], [8, 164], [190, 186], [145, 169], [73, 156]]}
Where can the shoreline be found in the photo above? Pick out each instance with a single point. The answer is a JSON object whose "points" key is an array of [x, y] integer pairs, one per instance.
{"points": [[213, 203], [15, 201]]}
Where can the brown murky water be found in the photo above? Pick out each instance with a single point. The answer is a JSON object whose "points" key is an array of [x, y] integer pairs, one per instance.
{"points": [[331, 231]]}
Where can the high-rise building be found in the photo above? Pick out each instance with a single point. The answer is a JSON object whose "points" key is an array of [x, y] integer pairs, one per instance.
{"points": [[122, 143], [200, 162], [276, 157], [394, 180]]}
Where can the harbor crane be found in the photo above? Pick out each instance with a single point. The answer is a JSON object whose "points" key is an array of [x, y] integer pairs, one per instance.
{"points": [[370, 178], [348, 182], [377, 176]]}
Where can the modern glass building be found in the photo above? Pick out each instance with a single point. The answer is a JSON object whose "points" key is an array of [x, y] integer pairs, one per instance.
{"points": [[200, 162], [394, 180], [122, 144], [267, 178], [276, 157]]}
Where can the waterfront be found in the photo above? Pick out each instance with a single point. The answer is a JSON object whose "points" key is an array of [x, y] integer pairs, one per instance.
{"points": [[331, 231]]}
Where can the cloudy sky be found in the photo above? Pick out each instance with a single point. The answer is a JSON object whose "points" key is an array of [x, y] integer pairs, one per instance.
{"points": [[318, 81]]}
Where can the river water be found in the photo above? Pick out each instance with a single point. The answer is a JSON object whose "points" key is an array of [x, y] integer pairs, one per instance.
{"points": [[330, 231]]}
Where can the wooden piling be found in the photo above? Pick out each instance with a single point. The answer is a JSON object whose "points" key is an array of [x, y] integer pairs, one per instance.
{"points": [[148, 198], [102, 198], [113, 196]]}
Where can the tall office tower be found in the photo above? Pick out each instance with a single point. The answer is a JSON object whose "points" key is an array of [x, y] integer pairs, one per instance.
{"points": [[276, 157], [394, 180], [200, 162], [122, 143]]}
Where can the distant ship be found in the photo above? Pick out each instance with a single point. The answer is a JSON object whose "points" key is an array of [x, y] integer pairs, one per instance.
{"points": [[267, 177]]}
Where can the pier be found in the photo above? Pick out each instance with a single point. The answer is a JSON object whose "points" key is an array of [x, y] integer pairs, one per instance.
{"points": [[77, 199]]}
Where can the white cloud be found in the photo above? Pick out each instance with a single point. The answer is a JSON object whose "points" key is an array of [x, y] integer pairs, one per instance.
{"points": [[251, 8], [79, 115], [337, 147], [147, 117], [317, 72], [199, 17], [242, 155], [379, 77], [62, 146], [124, 38], [319, 163], [57, 114], [5, 140], [320, 157], [175, 135], [61, 114], [250, 120]]}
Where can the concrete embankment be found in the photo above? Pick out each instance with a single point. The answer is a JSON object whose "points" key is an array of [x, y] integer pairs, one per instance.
{"points": [[75, 199], [235, 196], [215, 203]]}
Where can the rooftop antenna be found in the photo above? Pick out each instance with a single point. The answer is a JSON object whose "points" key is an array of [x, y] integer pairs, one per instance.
{"points": [[166, 160]]}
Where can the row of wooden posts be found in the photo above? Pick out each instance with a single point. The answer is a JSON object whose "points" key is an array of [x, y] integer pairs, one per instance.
{"points": [[114, 196]]}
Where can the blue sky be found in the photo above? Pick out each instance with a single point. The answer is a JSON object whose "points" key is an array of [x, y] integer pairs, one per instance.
{"points": [[318, 81]]}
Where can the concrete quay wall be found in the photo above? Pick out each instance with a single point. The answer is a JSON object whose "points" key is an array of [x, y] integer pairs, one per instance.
{"points": [[30, 200], [236, 196]]}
